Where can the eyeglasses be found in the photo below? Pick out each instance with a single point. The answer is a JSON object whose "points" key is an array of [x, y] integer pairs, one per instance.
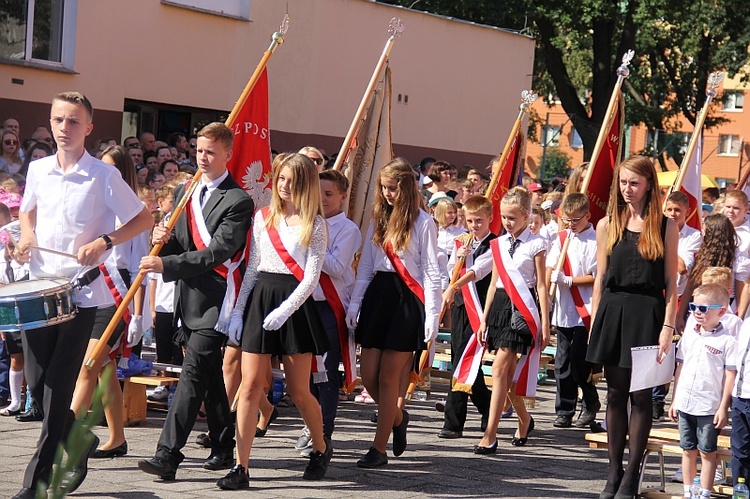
{"points": [[317, 161], [573, 220], [701, 308], [10, 142], [193, 146]]}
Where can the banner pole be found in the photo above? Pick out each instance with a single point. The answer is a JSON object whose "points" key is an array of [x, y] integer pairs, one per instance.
{"points": [[276, 39]]}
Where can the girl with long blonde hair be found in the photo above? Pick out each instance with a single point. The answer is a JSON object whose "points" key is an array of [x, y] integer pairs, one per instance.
{"points": [[636, 278], [280, 318], [395, 303]]}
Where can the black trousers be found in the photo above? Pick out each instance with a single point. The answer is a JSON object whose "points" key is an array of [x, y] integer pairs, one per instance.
{"points": [[53, 357], [456, 404], [572, 371], [201, 381], [327, 392], [168, 348]]}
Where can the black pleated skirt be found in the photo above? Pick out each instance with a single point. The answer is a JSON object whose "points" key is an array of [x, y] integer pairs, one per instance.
{"points": [[303, 332], [499, 332], [391, 316]]}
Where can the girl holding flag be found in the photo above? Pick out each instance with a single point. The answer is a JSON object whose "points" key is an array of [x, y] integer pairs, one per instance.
{"points": [[395, 304], [636, 278], [286, 256], [514, 320]]}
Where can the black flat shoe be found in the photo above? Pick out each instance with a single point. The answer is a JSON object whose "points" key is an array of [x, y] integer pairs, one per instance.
{"points": [[235, 479], [7, 412], [373, 459], [261, 432], [219, 461], [481, 449], [25, 493], [158, 467], [446, 433], [520, 442], [74, 478], [118, 451], [399, 435], [30, 416]]}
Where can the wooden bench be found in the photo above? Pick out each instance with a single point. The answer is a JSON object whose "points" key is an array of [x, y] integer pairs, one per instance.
{"points": [[661, 441], [134, 396]]}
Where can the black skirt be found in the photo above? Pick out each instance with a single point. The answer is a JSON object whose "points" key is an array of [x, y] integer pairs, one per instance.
{"points": [[103, 317], [391, 317], [499, 332], [303, 332]]}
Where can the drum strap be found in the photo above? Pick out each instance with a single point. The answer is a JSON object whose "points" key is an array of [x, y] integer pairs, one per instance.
{"points": [[88, 278]]}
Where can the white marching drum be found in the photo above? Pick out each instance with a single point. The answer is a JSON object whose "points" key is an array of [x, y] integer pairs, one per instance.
{"points": [[34, 304]]}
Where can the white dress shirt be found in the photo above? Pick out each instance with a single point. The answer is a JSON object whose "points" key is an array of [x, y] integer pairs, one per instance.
{"points": [[420, 259], [344, 240], [742, 381], [524, 255], [74, 208], [482, 265]]}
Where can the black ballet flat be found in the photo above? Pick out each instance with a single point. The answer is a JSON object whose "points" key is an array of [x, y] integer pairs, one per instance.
{"points": [[481, 449], [520, 442], [118, 451], [261, 432]]}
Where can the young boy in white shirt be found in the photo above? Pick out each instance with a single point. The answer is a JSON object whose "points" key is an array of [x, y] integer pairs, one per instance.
{"points": [[703, 384], [572, 312]]}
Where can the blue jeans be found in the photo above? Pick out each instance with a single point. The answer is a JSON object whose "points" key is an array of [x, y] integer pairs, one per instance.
{"points": [[740, 438], [327, 392]]}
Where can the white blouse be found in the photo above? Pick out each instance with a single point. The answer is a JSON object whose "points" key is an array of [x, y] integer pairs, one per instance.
{"points": [[523, 257]]}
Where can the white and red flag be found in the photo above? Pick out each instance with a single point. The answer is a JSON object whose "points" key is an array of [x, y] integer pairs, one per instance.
{"points": [[691, 184]]}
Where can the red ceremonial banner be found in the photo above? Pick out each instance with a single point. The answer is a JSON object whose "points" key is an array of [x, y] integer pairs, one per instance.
{"points": [[507, 179], [601, 177], [250, 165]]}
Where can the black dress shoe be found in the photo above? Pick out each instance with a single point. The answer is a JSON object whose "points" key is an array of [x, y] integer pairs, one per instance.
{"points": [[73, 479], [261, 432], [25, 493], [373, 459], [29, 416], [118, 451], [481, 449], [235, 479], [318, 466], [483, 424], [159, 467], [399, 435], [203, 440], [219, 461], [585, 419], [563, 422], [446, 433], [520, 442]]}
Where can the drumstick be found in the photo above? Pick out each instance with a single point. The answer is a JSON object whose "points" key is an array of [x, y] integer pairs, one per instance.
{"points": [[14, 243]]}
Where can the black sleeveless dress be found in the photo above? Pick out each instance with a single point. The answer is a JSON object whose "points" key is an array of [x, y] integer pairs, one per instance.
{"points": [[631, 310]]}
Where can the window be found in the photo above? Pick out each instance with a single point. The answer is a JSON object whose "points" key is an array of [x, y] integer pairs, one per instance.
{"points": [[239, 9], [729, 145], [551, 135], [575, 141], [733, 101], [41, 31]]}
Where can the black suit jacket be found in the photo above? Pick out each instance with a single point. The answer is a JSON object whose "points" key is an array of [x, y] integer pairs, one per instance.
{"points": [[483, 284], [200, 290]]}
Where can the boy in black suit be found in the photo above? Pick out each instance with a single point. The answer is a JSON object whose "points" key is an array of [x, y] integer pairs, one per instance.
{"points": [[203, 255]]}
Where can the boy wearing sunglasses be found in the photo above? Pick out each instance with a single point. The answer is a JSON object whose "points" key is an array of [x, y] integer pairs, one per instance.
{"points": [[703, 384]]}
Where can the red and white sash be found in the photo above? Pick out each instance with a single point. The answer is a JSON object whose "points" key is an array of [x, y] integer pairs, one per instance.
{"points": [[583, 312], [346, 340], [522, 299], [229, 270], [318, 367], [466, 370]]}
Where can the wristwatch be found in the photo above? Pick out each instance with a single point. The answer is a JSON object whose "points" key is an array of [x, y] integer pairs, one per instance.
{"points": [[107, 240]]}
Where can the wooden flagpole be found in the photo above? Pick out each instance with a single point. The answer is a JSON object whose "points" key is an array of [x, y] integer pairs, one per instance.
{"points": [[622, 72], [713, 82], [395, 28], [276, 39], [527, 97]]}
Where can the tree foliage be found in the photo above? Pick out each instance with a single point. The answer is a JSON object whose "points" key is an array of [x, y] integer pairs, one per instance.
{"points": [[580, 44]]}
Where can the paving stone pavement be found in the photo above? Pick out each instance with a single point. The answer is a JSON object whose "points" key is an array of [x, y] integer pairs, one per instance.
{"points": [[555, 463]]}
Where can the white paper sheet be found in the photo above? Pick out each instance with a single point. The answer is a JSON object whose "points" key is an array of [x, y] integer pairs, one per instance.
{"points": [[647, 372]]}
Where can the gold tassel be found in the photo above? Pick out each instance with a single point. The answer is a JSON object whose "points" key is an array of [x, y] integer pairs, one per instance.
{"points": [[461, 387]]}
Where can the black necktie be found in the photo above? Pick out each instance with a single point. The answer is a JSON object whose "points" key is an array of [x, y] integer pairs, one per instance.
{"points": [[513, 246], [202, 197]]}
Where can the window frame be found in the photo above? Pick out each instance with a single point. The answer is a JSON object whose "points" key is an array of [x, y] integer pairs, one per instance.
{"points": [[556, 131], [732, 137], [734, 95]]}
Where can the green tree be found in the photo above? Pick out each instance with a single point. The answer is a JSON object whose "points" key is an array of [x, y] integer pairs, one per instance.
{"points": [[554, 163], [580, 44]]}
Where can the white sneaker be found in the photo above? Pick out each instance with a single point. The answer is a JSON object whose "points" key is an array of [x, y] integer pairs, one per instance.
{"points": [[160, 393], [677, 477], [719, 476], [304, 441]]}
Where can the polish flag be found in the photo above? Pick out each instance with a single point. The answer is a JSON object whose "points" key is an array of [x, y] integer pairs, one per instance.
{"points": [[691, 184]]}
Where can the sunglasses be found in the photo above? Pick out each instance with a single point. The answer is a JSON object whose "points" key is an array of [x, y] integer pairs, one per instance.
{"points": [[317, 161], [701, 308], [573, 220], [10, 142]]}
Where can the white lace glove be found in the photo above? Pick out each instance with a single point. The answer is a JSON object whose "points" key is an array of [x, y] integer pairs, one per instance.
{"points": [[135, 330], [275, 319], [560, 278], [351, 318], [234, 334]]}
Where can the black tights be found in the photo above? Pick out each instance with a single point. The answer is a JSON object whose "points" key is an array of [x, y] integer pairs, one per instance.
{"points": [[639, 427]]}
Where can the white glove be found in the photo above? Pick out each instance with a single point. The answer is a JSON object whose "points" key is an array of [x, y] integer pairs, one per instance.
{"points": [[275, 319], [351, 318], [235, 329], [560, 278], [135, 330], [430, 333]]}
